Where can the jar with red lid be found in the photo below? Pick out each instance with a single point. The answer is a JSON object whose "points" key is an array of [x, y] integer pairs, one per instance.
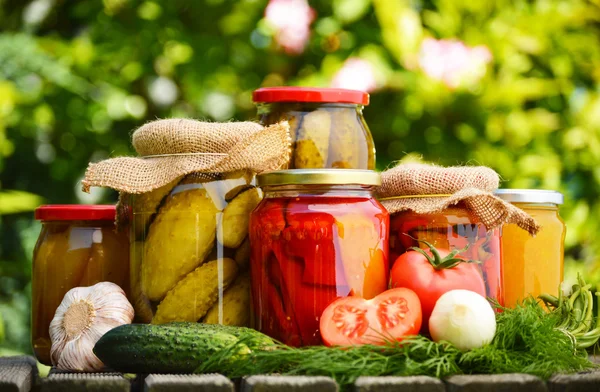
{"points": [[317, 235], [78, 246], [327, 125]]}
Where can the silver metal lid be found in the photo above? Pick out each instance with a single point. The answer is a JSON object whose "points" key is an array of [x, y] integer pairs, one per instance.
{"points": [[530, 196]]}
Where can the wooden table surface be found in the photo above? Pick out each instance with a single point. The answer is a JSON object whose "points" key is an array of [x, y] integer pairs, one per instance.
{"points": [[19, 374]]}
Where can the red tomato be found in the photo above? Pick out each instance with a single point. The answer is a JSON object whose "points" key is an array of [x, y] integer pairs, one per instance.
{"points": [[392, 315], [414, 271]]}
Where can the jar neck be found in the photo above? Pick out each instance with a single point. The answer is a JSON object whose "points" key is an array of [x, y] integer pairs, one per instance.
{"points": [[537, 206], [264, 108], [318, 190]]}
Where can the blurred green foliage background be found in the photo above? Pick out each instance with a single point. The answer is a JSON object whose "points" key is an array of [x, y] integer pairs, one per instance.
{"points": [[76, 77]]}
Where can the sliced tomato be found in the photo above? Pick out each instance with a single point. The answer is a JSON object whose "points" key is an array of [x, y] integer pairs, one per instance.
{"points": [[392, 315]]}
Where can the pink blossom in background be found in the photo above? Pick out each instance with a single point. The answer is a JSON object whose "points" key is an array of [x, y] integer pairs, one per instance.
{"points": [[452, 62], [355, 74], [291, 19]]}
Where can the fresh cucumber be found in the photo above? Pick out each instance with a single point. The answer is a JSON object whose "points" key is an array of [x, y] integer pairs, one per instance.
{"points": [[173, 347]]}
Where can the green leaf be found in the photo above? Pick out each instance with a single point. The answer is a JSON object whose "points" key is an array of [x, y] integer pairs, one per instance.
{"points": [[13, 201]]}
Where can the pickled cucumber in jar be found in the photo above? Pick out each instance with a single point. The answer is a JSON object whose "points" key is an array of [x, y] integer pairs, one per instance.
{"points": [[327, 126], [190, 262]]}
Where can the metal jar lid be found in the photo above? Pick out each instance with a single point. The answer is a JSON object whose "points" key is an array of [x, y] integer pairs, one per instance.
{"points": [[319, 177], [537, 196]]}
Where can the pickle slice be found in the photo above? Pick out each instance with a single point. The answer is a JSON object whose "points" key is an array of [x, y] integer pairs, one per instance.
{"points": [[195, 294], [179, 240], [242, 254], [344, 144], [145, 206], [312, 144], [235, 307], [236, 218], [141, 304]]}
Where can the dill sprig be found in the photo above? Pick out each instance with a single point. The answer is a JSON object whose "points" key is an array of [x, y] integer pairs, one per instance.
{"points": [[526, 341]]}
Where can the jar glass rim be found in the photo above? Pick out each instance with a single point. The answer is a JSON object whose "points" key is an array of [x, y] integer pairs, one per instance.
{"points": [[319, 177]]}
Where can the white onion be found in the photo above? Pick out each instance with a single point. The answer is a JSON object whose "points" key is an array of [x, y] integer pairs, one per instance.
{"points": [[463, 318]]}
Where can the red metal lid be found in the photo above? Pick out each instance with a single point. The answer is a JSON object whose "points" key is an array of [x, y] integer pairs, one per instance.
{"points": [[310, 94], [75, 212]]}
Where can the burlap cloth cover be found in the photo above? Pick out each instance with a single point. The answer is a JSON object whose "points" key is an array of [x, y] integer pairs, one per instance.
{"points": [[195, 147], [429, 189]]}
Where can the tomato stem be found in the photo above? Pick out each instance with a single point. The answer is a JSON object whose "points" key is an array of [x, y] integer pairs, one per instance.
{"points": [[436, 260]]}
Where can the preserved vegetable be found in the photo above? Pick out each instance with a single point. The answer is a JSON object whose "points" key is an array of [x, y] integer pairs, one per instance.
{"points": [[190, 259], [327, 126], [313, 241]]}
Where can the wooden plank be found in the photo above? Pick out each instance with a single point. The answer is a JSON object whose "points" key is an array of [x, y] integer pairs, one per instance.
{"points": [[188, 383], [17, 374], [80, 382]]}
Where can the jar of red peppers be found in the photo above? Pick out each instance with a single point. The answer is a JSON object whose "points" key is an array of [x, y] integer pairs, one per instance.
{"points": [[317, 235], [326, 124]]}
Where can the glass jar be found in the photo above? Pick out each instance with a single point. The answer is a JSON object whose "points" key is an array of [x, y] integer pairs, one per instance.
{"points": [[78, 246], [190, 251], [318, 235], [533, 265], [454, 228], [327, 126]]}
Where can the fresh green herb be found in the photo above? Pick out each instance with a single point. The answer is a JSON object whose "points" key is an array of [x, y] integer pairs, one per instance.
{"points": [[576, 314], [526, 341]]}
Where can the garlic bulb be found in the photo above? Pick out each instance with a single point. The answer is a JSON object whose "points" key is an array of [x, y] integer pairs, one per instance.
{"points": [[84, 315]]}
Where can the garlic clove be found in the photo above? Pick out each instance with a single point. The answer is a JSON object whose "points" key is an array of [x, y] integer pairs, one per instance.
{"points": [[84, 315]]}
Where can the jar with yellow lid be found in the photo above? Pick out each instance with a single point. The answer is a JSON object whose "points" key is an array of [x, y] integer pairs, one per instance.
{"points": [[317, 235], [533, 265]]}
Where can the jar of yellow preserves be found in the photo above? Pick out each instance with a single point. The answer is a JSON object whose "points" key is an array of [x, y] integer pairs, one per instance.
{"points": [[533, 265], [78, 246]]}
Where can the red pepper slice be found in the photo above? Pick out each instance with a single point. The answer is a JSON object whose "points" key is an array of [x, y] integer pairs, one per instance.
{"points": [[283, 326], [403, 227], [309, 235], [307, 301], [271, 219]]}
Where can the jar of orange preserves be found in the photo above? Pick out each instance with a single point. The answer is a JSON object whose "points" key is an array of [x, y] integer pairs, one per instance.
{"points": [[317, 235], [452, 229], [533, 265], [77, 247]]}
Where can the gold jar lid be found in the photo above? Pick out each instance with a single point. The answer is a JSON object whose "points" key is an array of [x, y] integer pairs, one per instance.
{"points": [[319, 177]]}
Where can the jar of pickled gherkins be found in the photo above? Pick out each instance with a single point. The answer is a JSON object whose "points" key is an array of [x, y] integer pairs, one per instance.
{"points": [[78, 246], [317, 235], [454, 228], [327, 126], [533, 265], [190, 249]]}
